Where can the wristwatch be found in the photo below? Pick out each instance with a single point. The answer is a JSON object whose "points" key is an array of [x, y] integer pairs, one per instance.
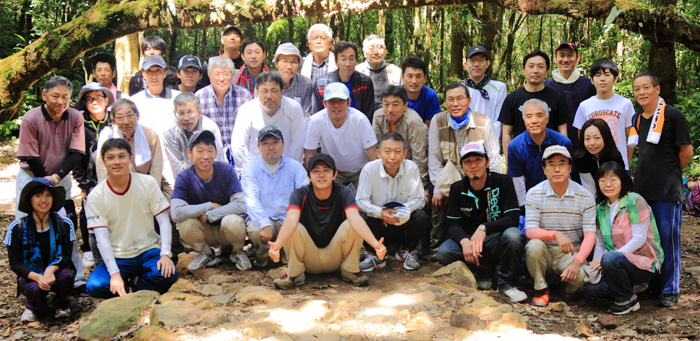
{"points": [[482, 227]]}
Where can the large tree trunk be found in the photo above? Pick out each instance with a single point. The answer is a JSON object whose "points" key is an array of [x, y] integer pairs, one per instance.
{"points": [[110, 19]]}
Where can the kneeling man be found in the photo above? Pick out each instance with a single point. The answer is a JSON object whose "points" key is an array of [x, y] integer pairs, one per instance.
{"points": [[482, 220], [390, 197], [208, 205], [558, 213], [323, 231], [120, 211]]}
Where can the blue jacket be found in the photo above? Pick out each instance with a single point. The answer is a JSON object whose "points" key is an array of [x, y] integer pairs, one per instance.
{"points": [[525, 157]]}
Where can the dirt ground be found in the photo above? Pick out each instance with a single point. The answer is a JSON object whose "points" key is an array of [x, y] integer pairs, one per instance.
{"points": [[650, 322]]}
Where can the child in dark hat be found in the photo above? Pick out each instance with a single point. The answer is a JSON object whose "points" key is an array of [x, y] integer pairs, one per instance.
{"points": [[39, 248]]}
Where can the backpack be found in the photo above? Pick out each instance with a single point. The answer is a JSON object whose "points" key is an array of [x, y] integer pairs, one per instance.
{"points": [[694, 201]]}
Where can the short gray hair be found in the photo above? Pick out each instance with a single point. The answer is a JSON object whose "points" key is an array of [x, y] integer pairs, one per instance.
{"points": [[365, 42], [186, 97], [220, 61], [57, 81], [536, 102], [320, 27], [121, 103]]}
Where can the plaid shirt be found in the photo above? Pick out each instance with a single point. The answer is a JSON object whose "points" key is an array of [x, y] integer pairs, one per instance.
{"points": [[362, 90], [223, 115], [301, 89], [245, 80]]}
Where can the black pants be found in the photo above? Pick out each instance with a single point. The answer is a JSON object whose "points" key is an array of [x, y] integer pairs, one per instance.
{"points": [[83, 229], [406, 235]]}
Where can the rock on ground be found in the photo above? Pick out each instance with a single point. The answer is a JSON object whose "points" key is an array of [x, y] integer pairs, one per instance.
{"points": [[116, 315]]}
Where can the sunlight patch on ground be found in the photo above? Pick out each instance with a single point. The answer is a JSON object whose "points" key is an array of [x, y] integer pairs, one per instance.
{"points": [[293, 321], [511, 333], [397, 299]]}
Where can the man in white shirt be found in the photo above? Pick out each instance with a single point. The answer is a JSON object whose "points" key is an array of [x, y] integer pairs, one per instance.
{"points": [[269, 107], [487, 94], [188, 119], [342, 132], [390, 198], [120, 212]]}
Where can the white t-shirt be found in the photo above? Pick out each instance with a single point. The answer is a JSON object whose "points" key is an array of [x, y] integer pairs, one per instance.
{"points": [[617, 111], [492, 107], [128, 216], [347, 144]]}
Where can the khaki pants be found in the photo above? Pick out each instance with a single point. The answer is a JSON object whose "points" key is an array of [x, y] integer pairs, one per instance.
{"points": [[261, 248], [542, 259], [343, 252], [232, 231], [347, 178]]}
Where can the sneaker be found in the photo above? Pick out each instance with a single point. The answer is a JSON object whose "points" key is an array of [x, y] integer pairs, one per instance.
{"points": [[622, 309], [202, 261], [409, 259], [241, 260], [668, 300], [62, 313], [285, 282], [88, 260], [359, 279], [541, 298], [372, 262], [261, 264], [514, 294], [566, 296], [484, 283], [28, 316]]}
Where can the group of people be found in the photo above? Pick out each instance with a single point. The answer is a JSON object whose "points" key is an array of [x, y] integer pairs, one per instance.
{"points": [[327, 165]]}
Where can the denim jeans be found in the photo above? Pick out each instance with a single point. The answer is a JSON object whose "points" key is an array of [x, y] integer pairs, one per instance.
{"points": [[505, 248], [619, 278], [144, 266]]}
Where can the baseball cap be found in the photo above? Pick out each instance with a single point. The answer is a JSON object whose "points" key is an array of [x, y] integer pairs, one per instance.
{"points": [[230, 28], [554, 150], [477, 49], [287, 49], [320, 157], [153, 60], [336, 90], [567, 44], [472, 148], [202, 136], [270, 131], [189, 61]]}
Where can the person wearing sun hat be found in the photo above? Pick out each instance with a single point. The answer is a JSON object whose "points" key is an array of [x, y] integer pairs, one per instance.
{"points": [[93, 101], [39, 248]]}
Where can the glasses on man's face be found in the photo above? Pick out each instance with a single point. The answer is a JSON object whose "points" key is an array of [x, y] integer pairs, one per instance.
{"points": [[458, 99], [188, 113], [266, 92], [94, 99], [221, 74], [347, 60], [376, 47], [288, 62], [553, 165], [125, 118]]}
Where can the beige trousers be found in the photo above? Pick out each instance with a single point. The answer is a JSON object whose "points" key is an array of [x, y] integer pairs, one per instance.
{"points": [[232, 231], [261, 248], [343, 252], [542, 259]]}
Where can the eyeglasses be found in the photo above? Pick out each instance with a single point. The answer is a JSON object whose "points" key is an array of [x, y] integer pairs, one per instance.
{"points": [[266, 92], [612, 181], [189, 113], [124, 118], [221, 74], [456, 99], [93, 99], [347, 60], [288, 61], [557, 165], [376, 47]]}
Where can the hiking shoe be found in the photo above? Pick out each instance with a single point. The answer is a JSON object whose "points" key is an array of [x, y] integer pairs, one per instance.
{"points": [[409, 259], [88, 259], [668, 300], [27, 316], [285, 282], [514, 294], [622, 309], [241, 260], [541, 298], [202, 261], [62, 313], [358, 279], [566, 296], [371, 262]]}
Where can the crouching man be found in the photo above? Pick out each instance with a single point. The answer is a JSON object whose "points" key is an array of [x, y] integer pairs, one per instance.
{"points": [[323, 231], [120, 211], [482, 220]]}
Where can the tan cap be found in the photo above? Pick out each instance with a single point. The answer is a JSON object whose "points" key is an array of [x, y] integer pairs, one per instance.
{"points": [[553, 150]]}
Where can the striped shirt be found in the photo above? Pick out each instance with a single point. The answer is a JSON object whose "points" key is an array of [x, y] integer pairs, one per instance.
{"points": [[301, 89], [572, 214], [223, 115]]}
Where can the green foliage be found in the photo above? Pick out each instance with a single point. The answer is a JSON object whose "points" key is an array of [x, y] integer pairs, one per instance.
{"points": [[9, 130]]}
